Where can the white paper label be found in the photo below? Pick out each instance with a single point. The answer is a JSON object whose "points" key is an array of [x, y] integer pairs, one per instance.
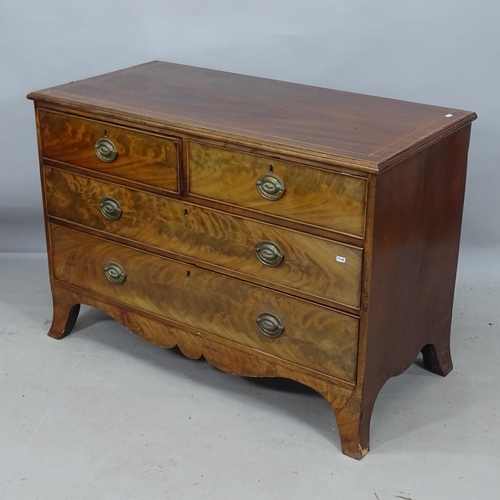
{"points": [[340, 259]]}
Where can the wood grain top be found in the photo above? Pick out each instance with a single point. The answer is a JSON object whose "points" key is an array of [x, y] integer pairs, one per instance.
{"points": [[360, 131]]}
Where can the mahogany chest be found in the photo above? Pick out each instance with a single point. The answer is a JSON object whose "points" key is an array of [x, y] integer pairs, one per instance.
{"points": [[276, 229]]}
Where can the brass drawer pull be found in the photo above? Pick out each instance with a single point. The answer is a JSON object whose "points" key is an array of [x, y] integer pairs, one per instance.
{"points": [[269, 253], [270, 187], [110, 208], [114, 272], [269, 324], [105, 150]]}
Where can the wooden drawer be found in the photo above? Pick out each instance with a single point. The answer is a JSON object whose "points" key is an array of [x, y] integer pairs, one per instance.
{"points": [[310, 265], [313, 196], [313, 336], [140, 157]]}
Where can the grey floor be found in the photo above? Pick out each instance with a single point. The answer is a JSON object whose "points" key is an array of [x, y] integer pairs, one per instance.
{"points": [[104, 415]]}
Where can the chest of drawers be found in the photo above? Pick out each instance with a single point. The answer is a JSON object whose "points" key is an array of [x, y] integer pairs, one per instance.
{"points": [[276, 229]]}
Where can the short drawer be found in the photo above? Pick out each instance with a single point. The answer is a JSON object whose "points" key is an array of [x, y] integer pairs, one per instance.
{"points": [[284, 189], [140, 157], [296, 262], [312, 336]]}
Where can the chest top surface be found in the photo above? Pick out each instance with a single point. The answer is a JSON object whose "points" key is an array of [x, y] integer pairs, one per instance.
{"points": [[366, 131]]}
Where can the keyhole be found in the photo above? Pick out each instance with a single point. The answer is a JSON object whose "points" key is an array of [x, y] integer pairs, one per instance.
{"points": [[105, 134], [188, 274], [185, 212], [271, 169]]}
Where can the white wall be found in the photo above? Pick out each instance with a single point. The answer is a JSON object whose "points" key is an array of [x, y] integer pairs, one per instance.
{"points": [[443, 52]]}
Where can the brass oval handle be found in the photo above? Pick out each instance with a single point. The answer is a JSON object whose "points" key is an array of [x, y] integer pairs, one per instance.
{"points": [[270, 187], [105, 150], [269, 324], [114, 272], [110, 208], [269, 253]]}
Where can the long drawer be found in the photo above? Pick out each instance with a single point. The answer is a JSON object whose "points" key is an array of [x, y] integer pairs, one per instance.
{"points": [[285, 189], [117, 151], [312, 336], [294, 261]]}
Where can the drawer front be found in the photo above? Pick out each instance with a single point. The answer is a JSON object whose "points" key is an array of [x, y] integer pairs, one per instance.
{"points": [[313, 336], [140, 157], [311, 195], [310, 265]]}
